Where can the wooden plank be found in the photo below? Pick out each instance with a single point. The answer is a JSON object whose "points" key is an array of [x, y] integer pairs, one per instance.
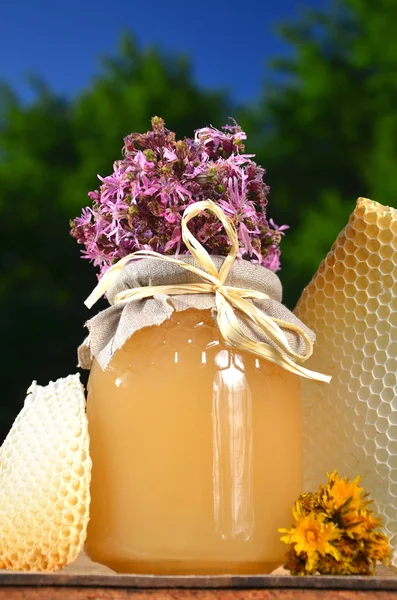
{"points": [[85, 580], [237, 582], [63, 593]]}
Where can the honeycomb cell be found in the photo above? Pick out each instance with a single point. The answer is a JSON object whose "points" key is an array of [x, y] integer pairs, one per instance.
{"points": [[386, 237], [372, 305], [339, 298], [392, 447], [339, 311], [379, 371], [370, 335], [361, 311], [337, 328], [329, 318], [392, 528], [348, 348], [349, 413], [386, 267], [329, 275], [355, 370], [359, 422], [339, 268], [362, 270], [391, 364], [362, 282], [350, 290], [349, 319], [310, 313], [350, 304], [392, 432], [383, 470], [363, 393], [362, 256], [374, 261], [390, 380], [369, 349], [393, 473], [393, 489], [388, 510], [374, 289], [349, 332], [372, 231], [350, 276], [382, 455], [361, 296], [372, 415], [382, 342], [370, 447], [386, 251], [350, 247], [381, 425], [373, 245], [393, 416], [376, 387], [362, 362], [384, 410], [382, 327]]}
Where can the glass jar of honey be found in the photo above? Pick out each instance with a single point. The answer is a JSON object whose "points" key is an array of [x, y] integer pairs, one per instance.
{"points": [[196, 450]]}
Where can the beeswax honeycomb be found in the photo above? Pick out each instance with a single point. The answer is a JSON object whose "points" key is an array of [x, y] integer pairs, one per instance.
{"points": [[45, 472], [351, 304]]}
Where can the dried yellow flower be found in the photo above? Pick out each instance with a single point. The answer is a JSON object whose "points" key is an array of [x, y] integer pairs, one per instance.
{"points": [[339, 490], [335, 532], [313, 536]]}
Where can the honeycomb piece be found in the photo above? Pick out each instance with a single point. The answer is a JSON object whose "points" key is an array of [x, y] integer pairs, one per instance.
{"points": [[351, 424], [45, 472]]}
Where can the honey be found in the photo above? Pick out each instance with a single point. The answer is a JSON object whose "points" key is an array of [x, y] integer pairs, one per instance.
{"points": [[197, 454]]}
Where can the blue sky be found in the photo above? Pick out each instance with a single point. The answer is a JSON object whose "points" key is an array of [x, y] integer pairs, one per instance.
{"points": [[229, 42]]}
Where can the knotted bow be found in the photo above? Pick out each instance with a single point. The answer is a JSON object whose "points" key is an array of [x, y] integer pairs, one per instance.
{"points": [[227, 298]]}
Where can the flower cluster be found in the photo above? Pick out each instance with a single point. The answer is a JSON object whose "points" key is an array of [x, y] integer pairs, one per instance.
{"points": [[335, 532], [140, 205]]}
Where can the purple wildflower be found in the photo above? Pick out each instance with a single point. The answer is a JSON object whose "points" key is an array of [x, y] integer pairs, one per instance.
{"points": [[280, 228], [140, 205]]}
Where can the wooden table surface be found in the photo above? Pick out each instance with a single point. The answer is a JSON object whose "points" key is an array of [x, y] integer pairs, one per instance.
{"points": [[85, 580]]}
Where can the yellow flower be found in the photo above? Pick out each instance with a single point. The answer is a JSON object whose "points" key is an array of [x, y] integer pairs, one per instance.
{"points": [[341, 490], [347, 547], [379, 547], [305, 504], [358, 523], [335, 532], [312, 536], [327, 565]]}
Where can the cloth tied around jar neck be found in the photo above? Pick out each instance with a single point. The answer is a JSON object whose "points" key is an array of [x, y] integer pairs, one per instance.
{"points": [[245, 299]]}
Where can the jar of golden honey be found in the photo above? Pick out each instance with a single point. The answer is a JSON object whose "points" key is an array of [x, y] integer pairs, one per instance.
{"points": [[193, 399], [196, 451]]}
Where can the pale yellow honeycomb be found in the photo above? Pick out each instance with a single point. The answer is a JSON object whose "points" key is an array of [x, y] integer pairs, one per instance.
{"points": [[351, 304], [45, 472]]}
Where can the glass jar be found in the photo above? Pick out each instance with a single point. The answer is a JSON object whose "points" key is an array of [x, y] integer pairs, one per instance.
{"points": [[197, 454]]}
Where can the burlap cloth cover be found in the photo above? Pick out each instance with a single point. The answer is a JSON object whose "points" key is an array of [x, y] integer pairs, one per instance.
{"points": [[111, 328]]}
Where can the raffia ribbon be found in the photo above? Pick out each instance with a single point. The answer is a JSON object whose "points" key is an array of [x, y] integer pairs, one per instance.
{"points": [[227, 298]]}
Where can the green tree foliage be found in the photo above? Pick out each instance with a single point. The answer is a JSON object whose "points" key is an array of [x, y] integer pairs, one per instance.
{"points": [[326, 128], [50, 153]]}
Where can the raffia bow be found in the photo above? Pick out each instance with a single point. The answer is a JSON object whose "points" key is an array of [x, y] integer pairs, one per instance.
{"points": [[227, 298]]}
